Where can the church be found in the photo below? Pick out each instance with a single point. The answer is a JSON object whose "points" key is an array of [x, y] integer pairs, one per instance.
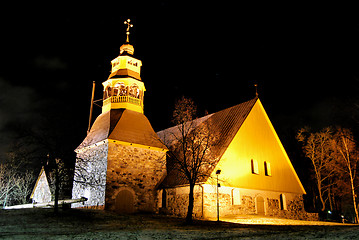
{"points": [[122, 164]]}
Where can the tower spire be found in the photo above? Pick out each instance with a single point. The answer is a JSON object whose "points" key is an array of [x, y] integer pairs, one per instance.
{"points": [[128, 29], [127, 48], [256, 86]]}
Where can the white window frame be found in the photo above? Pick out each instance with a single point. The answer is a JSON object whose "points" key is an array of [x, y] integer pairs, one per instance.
{"points": [[254, 166]]}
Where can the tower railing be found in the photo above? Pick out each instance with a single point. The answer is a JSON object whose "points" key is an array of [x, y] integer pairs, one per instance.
{"points": [[120, 99]]}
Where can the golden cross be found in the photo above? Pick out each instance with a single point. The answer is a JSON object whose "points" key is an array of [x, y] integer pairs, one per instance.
{"points": [[128, 29]]}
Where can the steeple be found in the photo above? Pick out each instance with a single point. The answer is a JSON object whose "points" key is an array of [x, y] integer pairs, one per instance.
{"points": [[127, 48], [124, 88], [128, 29]]}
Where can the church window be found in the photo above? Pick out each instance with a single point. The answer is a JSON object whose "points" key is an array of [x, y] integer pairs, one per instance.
{"points": [[254, 166], [236, 197], [120, 89], [164, 198], [267, 169], [134, 91], [283, 202], [107, 93]]}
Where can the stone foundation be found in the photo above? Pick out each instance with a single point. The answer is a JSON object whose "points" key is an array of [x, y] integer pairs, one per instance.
{"points": [[234, 201]]}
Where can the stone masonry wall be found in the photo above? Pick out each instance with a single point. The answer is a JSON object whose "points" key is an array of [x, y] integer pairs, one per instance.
{"points": [[295, 209], [90, 176], [205, 205], [136, 169]]}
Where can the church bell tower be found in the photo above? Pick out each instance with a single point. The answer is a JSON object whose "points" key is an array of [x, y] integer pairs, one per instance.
{"points": [[121, 161], [124, 88]]}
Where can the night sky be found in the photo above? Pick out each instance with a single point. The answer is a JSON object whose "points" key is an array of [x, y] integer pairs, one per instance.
{"points": [[303, 57]]}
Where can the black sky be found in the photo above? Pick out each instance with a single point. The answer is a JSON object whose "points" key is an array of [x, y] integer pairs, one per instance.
{"points": [[304, 58]]}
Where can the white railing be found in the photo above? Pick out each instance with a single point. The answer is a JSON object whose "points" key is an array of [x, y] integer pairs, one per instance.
{"points": [[120, 99]]}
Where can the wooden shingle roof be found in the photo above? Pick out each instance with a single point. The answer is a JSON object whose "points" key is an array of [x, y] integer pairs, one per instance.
{"points": [[224, 124], [122, 125]]}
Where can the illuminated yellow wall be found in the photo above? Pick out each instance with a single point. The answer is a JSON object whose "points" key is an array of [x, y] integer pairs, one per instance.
{"points": [[126, 62], [258, 140]]}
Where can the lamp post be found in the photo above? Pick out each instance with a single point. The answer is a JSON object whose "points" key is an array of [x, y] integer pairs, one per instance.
{"points": [[218, 185]]}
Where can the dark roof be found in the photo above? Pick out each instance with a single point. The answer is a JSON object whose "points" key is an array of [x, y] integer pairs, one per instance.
{"points": [[224, 124], [123, 125], [120, 73]]}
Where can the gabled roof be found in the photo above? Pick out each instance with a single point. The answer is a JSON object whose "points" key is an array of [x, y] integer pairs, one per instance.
{"points": [[42, 171], [224, 124], [122, 125]]}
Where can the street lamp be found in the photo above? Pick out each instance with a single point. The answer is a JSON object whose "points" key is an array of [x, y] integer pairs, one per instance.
{"points": [[218, 185]]}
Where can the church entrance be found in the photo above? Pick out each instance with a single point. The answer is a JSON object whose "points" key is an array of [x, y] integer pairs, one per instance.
{"points": [[125, 202], [260, 205]]}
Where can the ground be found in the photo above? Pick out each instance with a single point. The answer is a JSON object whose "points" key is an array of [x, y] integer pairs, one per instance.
{"points": [[96, 224]]}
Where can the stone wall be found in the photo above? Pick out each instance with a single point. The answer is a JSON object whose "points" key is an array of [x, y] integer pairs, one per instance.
{"points": [[295, 209], [138, 170], [90, 176], [177, 201], [205, 205]]}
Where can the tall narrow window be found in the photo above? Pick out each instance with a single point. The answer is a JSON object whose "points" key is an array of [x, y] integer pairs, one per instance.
{"points": [[267, 169], [107, 93], [164, 198], [283, 202], [254, 165], [236, 197]]}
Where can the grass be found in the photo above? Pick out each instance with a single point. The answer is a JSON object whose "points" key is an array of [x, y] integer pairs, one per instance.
{"points": [[96, 224]]}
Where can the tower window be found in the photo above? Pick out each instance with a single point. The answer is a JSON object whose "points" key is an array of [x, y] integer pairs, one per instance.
{"points": [[134, 91], [267, 169], [254, 166], [107, 93], [120, 89]]}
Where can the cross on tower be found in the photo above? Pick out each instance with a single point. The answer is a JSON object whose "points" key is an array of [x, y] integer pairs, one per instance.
{"points": [[128, 29]]}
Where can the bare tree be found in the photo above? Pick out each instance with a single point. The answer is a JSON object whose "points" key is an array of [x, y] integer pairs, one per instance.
{"points": [[190, 147], [23, 187], [15, 187], [318, 148], [7, 180], [347, 158]]}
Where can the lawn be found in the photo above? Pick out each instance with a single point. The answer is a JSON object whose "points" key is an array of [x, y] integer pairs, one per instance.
{"points": [[96, 224]]}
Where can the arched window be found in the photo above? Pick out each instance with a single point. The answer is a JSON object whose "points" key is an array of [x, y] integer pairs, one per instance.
{"points": [[134, 91], [120, 89], [107, 92]]}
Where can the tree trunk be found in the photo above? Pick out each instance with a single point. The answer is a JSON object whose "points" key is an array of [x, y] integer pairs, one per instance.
{"points": [[354, 196], [321, 195], [330, 200], [57, 188], [189, 219], [4, 205]]}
